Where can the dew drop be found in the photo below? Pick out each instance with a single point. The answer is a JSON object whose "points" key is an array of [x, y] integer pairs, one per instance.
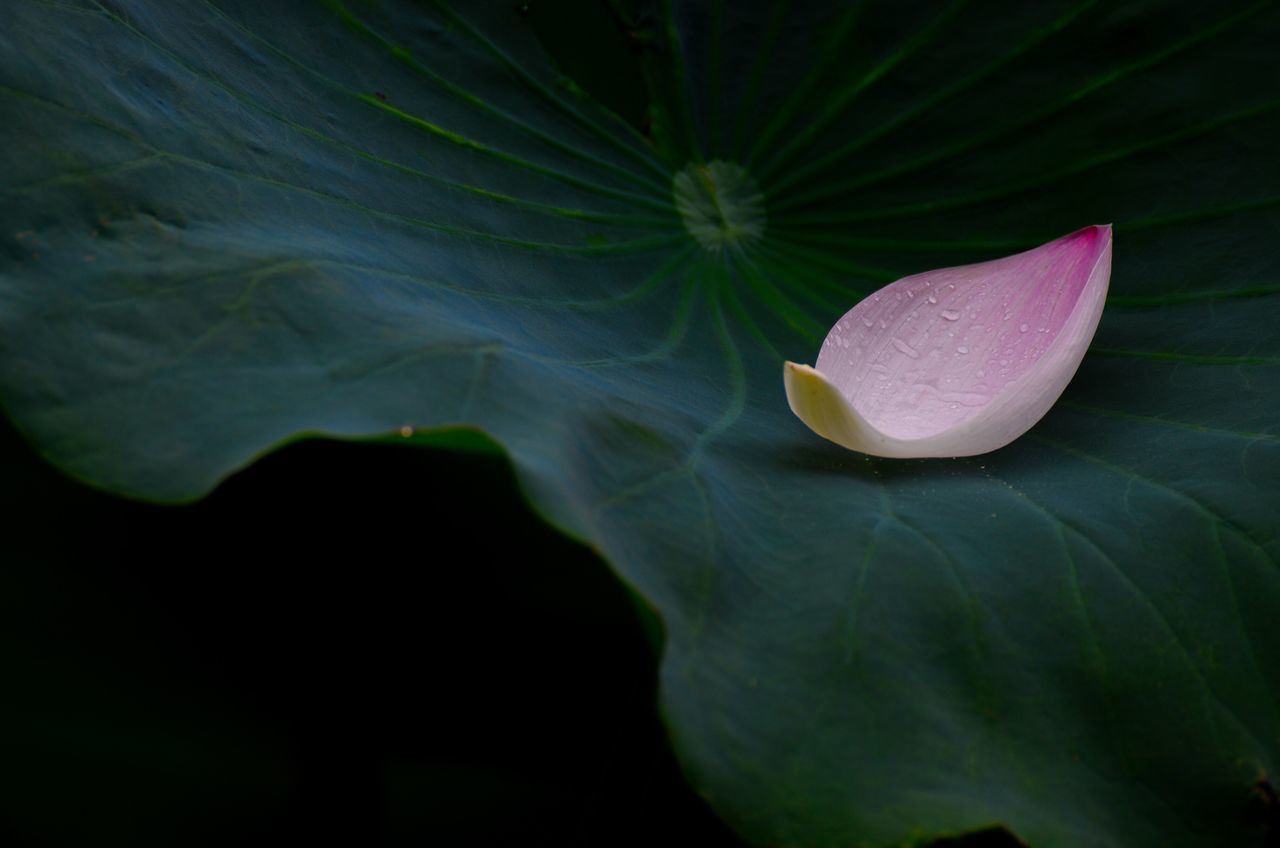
{"points": [[962, 349], [905, 348], [932, 299], [867, 322], [966, 398], [951, 315], [1023, 328]]}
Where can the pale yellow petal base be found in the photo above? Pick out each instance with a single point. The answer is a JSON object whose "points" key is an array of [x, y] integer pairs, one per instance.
{"points": [[820, 405]]}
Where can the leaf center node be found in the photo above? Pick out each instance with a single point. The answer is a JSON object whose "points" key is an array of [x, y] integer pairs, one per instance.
{"points": [[720, 203]]}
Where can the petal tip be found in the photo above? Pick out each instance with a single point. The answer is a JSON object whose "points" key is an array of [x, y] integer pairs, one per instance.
{"points": [[797, 367], [1106, 232]]}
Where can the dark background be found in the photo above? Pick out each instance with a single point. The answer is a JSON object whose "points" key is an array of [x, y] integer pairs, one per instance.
{"points": [[370, 643]]}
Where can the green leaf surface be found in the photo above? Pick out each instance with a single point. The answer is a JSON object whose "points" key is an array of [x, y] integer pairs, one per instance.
{"points": [[226, 224]]}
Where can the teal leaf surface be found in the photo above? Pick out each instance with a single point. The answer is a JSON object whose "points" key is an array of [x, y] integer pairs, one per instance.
{"points": [[227, 224]]}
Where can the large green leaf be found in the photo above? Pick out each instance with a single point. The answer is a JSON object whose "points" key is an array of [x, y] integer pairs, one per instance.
{"points": [[227, 223]]}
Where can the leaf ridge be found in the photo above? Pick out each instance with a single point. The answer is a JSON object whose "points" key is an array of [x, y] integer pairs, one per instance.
{"points": [[1091, 86], [960, 85], [638, 150], [658, 188]]}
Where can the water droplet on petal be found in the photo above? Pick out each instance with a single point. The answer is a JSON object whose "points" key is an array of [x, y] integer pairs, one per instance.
{"points": [[1023, 328], [903, 347], [966, 398], [951, 315], [962, 349]]}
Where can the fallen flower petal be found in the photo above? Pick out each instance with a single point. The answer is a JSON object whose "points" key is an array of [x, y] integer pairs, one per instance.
{"points": [[959, 361]]}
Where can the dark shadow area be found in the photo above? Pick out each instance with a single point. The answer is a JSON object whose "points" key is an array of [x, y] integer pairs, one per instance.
{"points": [[367, 644], [589, 44], [996, 837], [1265, 808]]}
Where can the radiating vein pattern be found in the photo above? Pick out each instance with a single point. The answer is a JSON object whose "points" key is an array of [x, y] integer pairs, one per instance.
{"points": [[225, 224]]}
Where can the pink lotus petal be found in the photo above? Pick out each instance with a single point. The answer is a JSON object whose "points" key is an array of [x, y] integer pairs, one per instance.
{"points": [[958, 361]]}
